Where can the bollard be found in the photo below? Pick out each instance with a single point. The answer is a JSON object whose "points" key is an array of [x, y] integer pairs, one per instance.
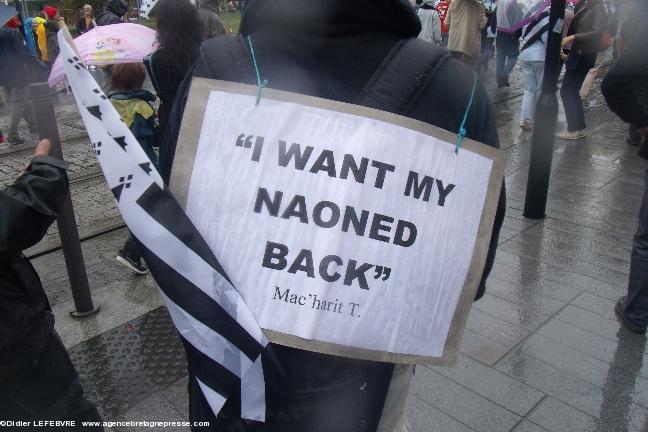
{"points": [[544, 131], [45, 120]]}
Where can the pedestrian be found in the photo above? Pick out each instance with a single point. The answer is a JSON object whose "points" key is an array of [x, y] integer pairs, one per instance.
{"points": [[430, 23], [178, 40], [465, 19], [211, 24], [534, 49], [37, 378], [51, 29], [625, 89], [331, 49], [488, 37], [629, 28], [134, 105], [507, 42], [38, 27], [15, 74], [442, 9], [113, 13], [29, 37], [585, 34], [86, 22]]}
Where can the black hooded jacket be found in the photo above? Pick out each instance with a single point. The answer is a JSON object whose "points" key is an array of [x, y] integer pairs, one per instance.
{"points": [[113, 13], [331, 49], [27, 209]]}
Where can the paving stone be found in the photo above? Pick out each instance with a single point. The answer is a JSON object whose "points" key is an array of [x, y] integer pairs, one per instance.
{"points": [[493, 385], [578, 364], [520, 315], [614, 403], [527, 426], [598, 347], [590, 321], [421, 416], [178, 396], [460, 403], [154, 409], [498, 330], [483, 348], [596, 304], [556, 416]]}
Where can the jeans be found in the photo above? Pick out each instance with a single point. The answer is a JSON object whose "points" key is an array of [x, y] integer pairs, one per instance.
{"points": [[533, 72], [575, 74], [636, 303], [444, 39], [508, 49]]}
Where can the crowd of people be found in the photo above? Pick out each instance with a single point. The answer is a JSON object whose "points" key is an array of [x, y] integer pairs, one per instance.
{"points": [[304, 47]]}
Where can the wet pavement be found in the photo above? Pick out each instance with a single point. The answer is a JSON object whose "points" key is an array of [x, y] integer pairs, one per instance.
{"points": [[542, 350]]}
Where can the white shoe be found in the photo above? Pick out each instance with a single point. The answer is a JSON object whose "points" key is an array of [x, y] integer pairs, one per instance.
{"points": [[572, 136]]}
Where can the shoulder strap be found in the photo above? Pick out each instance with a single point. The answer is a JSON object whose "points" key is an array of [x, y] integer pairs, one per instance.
{"points": [[148, 65], [537, 36], [402, 76]]}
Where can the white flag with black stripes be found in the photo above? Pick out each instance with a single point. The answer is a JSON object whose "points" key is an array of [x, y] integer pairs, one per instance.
{"points": [[223, 341]]}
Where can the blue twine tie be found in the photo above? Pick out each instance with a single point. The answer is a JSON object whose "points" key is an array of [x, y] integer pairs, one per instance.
{"points": [[260, 84], [461, 133]]}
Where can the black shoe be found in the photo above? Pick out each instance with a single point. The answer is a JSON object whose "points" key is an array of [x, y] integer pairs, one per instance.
{"points": [[135, 264], [618, 309], [632, 142]]}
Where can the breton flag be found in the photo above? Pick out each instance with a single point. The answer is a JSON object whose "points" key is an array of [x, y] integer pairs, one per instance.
{"points": [[146, 6], [223, 341]]}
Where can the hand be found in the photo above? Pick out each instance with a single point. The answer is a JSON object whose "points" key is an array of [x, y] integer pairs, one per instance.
{"points": [[568, 40], [563, 56], [644, 132], [43, 148]]}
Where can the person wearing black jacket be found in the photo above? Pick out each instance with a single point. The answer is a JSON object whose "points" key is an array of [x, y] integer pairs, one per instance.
{"points": [[37, 378], [625, 88], [331, 49], [15, 75], [585, 34], [113, 13]]}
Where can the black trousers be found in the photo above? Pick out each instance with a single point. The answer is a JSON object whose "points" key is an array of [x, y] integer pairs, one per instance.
{"points": [[575, 74], [48, 390]]}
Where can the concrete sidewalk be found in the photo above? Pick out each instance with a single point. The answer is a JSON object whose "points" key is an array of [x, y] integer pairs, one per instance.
{"points": [[542, 350]]}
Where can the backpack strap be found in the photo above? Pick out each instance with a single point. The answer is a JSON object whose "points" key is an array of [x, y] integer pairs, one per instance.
{"points": [[402, 76]]}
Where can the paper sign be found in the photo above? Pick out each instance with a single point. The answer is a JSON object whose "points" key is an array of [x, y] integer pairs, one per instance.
{"points": [[346, 230]]}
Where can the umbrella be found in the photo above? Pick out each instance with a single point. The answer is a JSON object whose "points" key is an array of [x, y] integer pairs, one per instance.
{"points": [[111, 44], [512, 15], [6, 13]]}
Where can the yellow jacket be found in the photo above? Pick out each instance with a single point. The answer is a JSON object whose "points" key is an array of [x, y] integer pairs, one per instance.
{"points": [[42, 39]]}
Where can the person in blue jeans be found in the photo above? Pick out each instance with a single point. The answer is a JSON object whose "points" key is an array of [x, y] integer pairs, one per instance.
{"points": [[625, 89], [534, 47]]}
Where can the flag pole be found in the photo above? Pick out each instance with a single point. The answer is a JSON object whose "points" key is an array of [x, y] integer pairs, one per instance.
{"points": [[45, 119]]}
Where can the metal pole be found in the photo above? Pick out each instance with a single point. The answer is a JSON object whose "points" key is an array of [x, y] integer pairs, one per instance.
{"points": [[544, 131], [45, 120]]}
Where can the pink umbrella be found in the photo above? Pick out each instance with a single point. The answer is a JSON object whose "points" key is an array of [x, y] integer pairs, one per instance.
{"points": [[111, 44]]}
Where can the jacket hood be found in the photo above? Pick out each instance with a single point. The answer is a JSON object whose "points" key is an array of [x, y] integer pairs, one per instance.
{"points": [[133, 94], [118, 7], [331, 17]]}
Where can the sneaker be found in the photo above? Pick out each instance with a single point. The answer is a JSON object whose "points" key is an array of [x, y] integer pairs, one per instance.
{"points": [[526, 125], [572, 136], [618, 309], [135, 264]]}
